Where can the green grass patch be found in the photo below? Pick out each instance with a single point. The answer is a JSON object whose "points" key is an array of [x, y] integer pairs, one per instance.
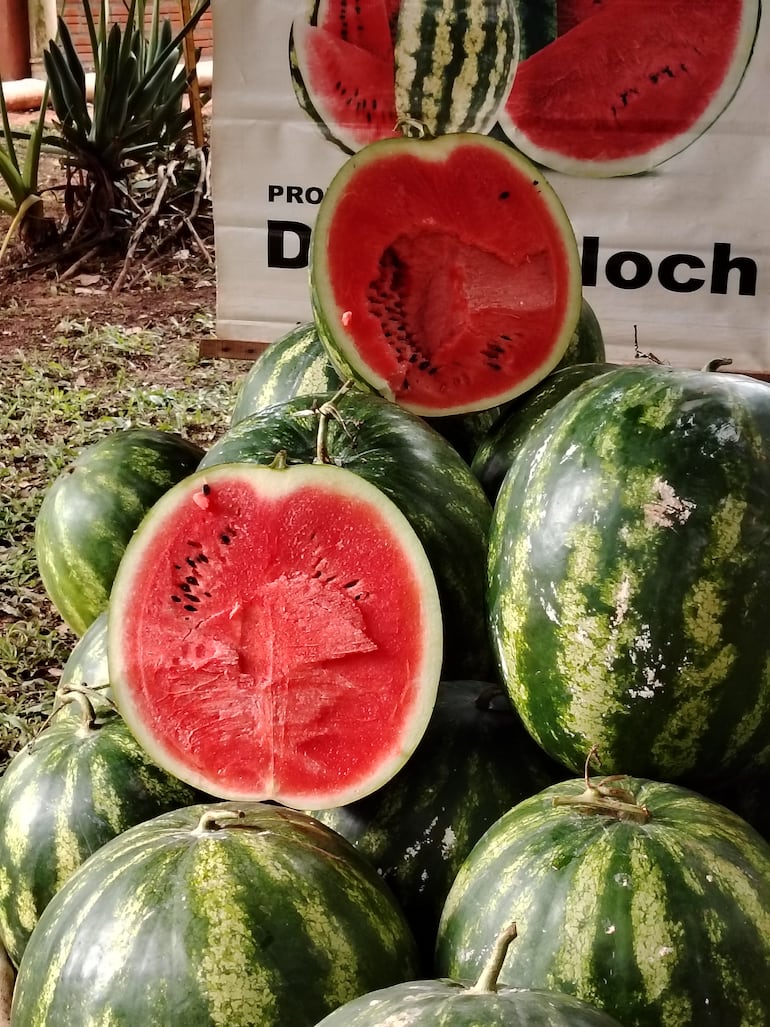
{"points": [[88, 382]]}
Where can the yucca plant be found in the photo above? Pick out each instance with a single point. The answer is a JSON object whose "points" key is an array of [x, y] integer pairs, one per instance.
{"points": [[22, 202], [136, 115]]}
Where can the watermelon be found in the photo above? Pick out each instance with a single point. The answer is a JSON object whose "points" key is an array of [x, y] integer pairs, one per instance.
{"points": [[364, 72], [628, 574], [623, 89], [80, 782], [448, 1003], [86, 668], [473, 763], [643, 898], [465, 289], [275, 633], [497, 450], [91, 509], [417, 470], [295, 364], [247, 916], [454, 64], [342, 69]]}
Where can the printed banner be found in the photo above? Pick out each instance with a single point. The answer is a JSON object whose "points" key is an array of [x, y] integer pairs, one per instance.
{"points": [[654, 134]]}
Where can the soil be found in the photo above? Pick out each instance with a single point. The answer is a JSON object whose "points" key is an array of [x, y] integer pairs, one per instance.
{"points": [[36, 303]]}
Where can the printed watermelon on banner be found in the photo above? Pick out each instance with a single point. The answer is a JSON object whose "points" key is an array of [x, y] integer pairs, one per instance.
{"points": [[627, 85], [341, 59]]}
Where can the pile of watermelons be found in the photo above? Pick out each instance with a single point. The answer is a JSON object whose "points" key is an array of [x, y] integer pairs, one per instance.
{"points": [[440, 675]]}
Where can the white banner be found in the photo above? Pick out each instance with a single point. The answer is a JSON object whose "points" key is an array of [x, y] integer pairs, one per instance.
{"points": [[678, 254]]}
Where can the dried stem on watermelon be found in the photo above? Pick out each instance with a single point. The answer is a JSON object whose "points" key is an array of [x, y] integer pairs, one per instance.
{"points": [[487, 981], [604, 798]]}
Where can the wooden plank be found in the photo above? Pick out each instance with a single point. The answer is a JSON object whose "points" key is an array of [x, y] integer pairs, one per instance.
{"points": [[193, 88], [235, 349]]}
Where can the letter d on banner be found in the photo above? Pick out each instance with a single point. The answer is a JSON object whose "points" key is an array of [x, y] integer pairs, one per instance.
{"points": [[291, 252]]}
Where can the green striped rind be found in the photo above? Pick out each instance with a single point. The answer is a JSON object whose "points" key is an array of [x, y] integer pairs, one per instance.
{"points": [[91, 510], [86, 668], [663, 924], [266, 921], [473, 763], [63, 796], [417, 469], [294, 365], [496, 452], [587, 343], [538, 22], [454, 64], [628, 574], [451, 1004]]}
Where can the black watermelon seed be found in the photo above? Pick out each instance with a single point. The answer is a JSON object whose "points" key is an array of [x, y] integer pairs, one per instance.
{"points": [[192, 609], [225, 540], [191, 580], [184, 586], [206, 489], [195, 545], [504, 195], [202, 558], [207, 594], [176, 599], [194, 599]]}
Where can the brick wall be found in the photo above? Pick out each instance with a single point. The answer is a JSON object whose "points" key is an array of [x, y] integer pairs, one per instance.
{"points": [[74, 16]]}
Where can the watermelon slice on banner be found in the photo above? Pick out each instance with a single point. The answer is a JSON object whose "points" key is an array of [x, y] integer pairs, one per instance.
{"points": [[627, 84], [275, 633]]}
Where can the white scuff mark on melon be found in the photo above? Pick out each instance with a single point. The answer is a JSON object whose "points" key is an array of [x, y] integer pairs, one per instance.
{"points": [[622, 601], [448, 843], [550, 612], [668, 509]]}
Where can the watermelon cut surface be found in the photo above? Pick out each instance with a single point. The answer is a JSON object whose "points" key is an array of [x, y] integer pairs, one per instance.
{"points": [[341, 62], [626, 85], [445, 273], [276, 634]]}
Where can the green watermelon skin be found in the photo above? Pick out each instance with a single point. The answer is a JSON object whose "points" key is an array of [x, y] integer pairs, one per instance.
{"points": [[628, 575], [92, 508], [497, 450], [474, 762], [417, 469], [260, 921], [445, 1003], [77, 785], [662, 923], [454, 64], [86, 668], [296, 364]]}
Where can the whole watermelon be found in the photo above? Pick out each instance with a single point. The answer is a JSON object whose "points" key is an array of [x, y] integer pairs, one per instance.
{"points": [[645, 899], [80, 782], [245, 916], [629, 570], [417, 469], [473, 763], [91, 509], [449, 1003]]}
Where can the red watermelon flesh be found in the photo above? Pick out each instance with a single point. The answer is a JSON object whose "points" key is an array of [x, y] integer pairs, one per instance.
{"points": [[343, 71], [276, 634], [631, 85], [445, 273]]}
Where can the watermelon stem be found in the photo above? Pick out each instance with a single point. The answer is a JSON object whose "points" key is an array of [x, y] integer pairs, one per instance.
{"points": [[716, 363], [212, 820], [487, 981], [326, 412], [604, 798]]}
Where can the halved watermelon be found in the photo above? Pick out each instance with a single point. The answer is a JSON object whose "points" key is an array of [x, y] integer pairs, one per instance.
{"points": [[341, 61], [444, 273], [626, 85], [276, 634]]}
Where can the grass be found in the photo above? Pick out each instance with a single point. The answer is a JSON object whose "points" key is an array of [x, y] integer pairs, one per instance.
{"points": [[89, 381]]}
